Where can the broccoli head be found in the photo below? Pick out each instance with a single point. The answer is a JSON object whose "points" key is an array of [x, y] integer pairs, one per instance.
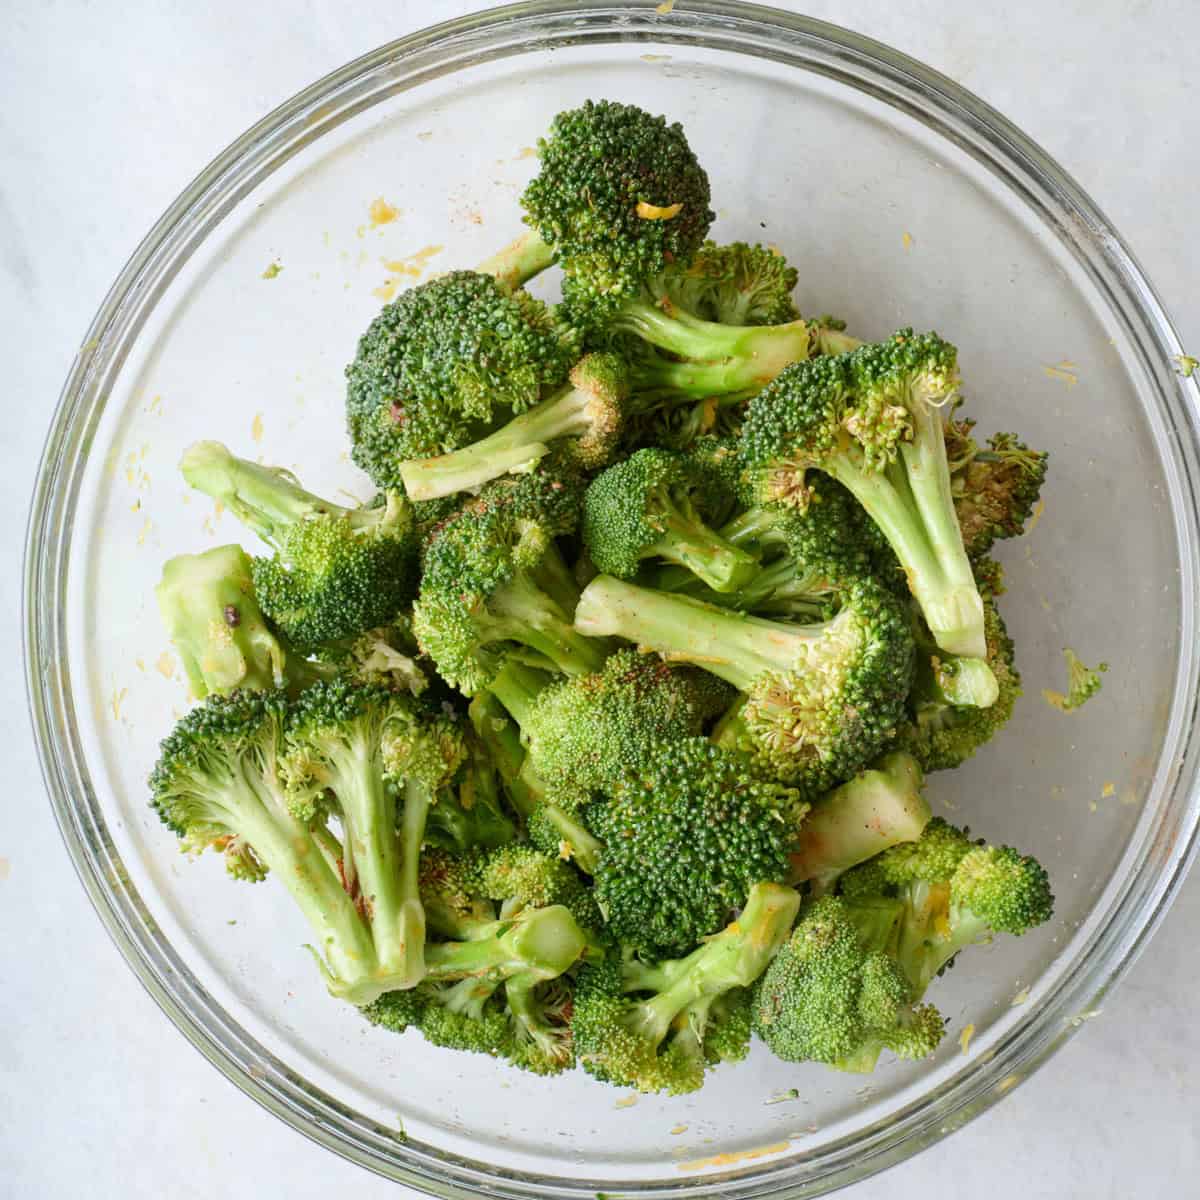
{"points": [[834, 994], [687, 833], [737, 284]]}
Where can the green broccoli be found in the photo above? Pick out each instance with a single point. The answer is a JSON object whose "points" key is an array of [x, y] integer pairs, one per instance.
{"points": [[1083, 682], [442, 362], [820, 700], [336, 572], [490, 581], [584, 417], [377, 760], [737, 284], [585, 731], [470, 813], [659, 1028], [687, 833], [655, 504], [550, 813], [835, 994], [870, 418], [954, 893], [212, 617], [618, 196], [878, 808], [220, 783], [957, 705], [994, 489]]}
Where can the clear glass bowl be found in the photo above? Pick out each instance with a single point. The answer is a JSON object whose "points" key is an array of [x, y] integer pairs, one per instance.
{"points": [[903, 200]]}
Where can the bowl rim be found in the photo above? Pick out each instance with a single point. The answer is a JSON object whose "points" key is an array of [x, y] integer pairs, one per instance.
{"points": [[1161, 848]]}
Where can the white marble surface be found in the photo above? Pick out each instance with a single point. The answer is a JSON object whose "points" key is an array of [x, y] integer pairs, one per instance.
{"points": [[106, 112]]}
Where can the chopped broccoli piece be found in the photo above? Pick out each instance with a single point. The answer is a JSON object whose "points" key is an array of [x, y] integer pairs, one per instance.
{"points": [[659, 1028], [336, 572], [737, 284], [1083, 683]]}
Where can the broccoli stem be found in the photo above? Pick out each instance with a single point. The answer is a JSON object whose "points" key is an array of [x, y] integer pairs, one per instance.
{"points": [[878, 808], [514, 446], [539, 945], [934, 933], [731, 646], [267, 500], [519, 261], [516, 687], [912, 504], [699, 380], [774, 589], [520, 611], [735, 957], [554, 577], [343, 949], [758, 352], [370, 843], [688, 542], [752, 526]]}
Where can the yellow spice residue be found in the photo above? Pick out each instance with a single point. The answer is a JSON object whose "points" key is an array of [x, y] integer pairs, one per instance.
{"points": [[655, 57], [1019, 998], [381, 212], [658, 212], [411, 267], [1038, 509], [731, 1157], [1063, 372], [664, 9], [116, 700], [1007, 1083], [676, 1130], [144, 532], [627, 1101], [165, 664], [964, 1038], [1109, 789], [140, 663], [272, 271], [154, 408], [256, 427], [528, 151], [907, 239]]}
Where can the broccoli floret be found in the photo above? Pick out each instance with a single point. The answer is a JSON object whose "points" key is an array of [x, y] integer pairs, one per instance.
{"points": [[218, 784], [656, 504], [585, 731], [376, 760], [878, 808], [958, 705], [336, 572], [208, 605], [471, 812], [955, 893], [871, 419], [492, 580], [994, 489], [444, 360], [737, 284], [388, 657], [687, 833], [834, 994], [658, 1028], [820, 700], [1083, 682], [550, 813], [583, 418], [619, 195]]}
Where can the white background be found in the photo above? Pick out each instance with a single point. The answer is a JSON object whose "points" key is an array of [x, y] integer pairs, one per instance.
{"points": [[106, 112]]}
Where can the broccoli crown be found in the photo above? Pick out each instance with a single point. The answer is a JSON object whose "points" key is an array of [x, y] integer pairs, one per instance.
{"points": [[657, 503], [860, 406], [492, 578], [340, 730], [440, 360], [817, 717], [657, 1028], [471, 813], [687, 833], [954, 893], [941, 736], [333, 580], [833, 995], [736, 284], [521, 876], [995, 489], [210, 753], [619, 195], [586, 731]]}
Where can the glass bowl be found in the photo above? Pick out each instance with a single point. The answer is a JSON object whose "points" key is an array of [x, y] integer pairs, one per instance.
{"points": [[904, 201]]}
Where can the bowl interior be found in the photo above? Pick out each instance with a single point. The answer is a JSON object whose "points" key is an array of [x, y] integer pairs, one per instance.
{"points": [[889, 224]]}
